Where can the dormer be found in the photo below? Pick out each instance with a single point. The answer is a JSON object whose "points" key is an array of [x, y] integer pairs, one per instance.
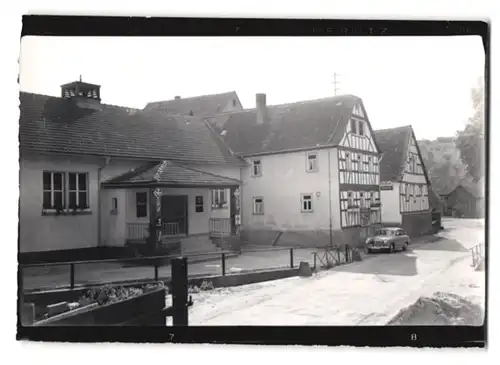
{"points": [[81, 90]]}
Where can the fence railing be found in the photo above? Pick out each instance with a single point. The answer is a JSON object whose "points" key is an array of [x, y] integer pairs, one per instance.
{"points": [[170, 228], [140, 231], [477, 254], [137, 231], [219, 227], [329, 257], [156, 262]]}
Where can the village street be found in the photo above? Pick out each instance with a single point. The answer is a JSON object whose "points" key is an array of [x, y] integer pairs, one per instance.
{"points": [[369, 292]]}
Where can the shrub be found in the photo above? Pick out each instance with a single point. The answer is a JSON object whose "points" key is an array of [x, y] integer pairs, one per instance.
{"points": [[108, 294]]}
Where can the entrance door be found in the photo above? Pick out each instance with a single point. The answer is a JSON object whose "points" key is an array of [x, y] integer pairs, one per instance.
{"points": [[174, 209]]}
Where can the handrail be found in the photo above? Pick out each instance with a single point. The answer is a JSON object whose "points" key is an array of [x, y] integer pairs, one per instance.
{"points": [[147, 258]]}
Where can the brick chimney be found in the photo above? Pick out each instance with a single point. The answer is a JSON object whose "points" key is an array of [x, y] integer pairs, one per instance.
{"points": [[261, 107]]}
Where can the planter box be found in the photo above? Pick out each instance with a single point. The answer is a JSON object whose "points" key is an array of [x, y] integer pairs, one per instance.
{"points": [[129, 311]]}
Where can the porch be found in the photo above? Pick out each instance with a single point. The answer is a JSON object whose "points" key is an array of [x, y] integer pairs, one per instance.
{"points": [[168, 204]]}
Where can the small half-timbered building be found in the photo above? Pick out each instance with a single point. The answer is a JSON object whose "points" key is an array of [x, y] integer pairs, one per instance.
{"points": [[313, 171], [404, 181]]}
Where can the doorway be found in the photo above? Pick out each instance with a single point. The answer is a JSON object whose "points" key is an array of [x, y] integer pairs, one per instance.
{"points": [[174, 209]]}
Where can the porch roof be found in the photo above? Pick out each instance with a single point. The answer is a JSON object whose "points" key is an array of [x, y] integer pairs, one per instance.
{"points": [[169, 174]]}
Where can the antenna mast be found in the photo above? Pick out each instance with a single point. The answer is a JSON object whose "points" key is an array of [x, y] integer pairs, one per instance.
{"points": [[335, 83]]}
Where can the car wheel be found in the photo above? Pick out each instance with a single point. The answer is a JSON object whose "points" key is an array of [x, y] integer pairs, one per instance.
{"points": [[367, 250], [405, 246], [392, 249]]}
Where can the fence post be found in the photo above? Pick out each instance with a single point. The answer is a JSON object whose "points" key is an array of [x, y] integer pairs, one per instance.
{"points": [[223, 264], [156, 269], [72, 276], [291, 258], [314, 255], [346, 254], [179, 292]]}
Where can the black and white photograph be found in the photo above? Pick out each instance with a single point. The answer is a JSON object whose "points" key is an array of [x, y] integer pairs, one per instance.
{"points": [[252, 181]]}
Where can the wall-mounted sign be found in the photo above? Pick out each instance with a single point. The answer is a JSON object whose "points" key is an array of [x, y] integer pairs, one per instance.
{"points": [[386, 185]]}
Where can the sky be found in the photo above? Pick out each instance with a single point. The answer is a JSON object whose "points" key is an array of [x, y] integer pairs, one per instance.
{"points": [[425, 82]]}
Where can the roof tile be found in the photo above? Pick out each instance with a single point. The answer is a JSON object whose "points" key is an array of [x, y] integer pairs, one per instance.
{"points": [[52, 124]]}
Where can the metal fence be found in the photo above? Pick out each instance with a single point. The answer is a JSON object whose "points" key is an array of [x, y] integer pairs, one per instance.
{"points": [[478, 253]]}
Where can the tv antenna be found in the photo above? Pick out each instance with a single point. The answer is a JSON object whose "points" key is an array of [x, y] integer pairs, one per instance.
{"points": [[335, 83]]}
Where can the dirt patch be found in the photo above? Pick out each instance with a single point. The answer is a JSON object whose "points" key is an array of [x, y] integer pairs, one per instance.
{"points": [[440, 309]]}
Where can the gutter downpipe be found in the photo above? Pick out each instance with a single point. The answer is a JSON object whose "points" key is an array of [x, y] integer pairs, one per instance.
{"points": [[99, 169]]}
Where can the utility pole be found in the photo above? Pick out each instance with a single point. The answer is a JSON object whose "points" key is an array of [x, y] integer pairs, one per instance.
{"points": [[335, 83]]}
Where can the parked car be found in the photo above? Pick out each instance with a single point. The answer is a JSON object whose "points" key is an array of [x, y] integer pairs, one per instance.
{"points": [[389, 238]]}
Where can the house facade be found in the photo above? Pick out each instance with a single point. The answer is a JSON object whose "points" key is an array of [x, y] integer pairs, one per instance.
{"points": [[312, 175], [404, 182], [77, 156]]}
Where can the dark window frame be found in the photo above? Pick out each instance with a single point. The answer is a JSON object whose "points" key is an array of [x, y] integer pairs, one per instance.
{"points": [[141, 205], [199, 204]]}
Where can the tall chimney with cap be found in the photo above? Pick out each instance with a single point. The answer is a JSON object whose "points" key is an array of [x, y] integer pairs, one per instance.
{"points": [[261, 107]]}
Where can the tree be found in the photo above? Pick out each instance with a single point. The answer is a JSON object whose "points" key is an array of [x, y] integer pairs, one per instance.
{"points": [[470, 141]]}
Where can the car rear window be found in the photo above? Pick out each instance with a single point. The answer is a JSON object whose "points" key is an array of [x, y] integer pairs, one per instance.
{"points": [[384, 232]]}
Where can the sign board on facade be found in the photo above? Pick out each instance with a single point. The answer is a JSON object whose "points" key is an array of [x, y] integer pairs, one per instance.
{"points": [[386, 185]]}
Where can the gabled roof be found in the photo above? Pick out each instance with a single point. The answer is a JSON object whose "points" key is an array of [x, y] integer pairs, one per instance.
{"points": [[476, 189], [295, 126], [201, 106], [168, 173], [394, 143], [58, 125]]}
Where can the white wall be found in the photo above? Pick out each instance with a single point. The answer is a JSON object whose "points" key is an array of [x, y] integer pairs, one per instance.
{"points": [[284, 179], [48, 232], [389, 200]]}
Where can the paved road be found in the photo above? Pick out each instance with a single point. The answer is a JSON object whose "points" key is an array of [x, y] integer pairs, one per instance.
{"points": [[369, 292], [54, 277]]}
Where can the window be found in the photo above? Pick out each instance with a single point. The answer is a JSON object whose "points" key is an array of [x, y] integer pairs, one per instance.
{"points": [[350, 200], [141, 205], [258, 205], [53, 190], [198, 203], [219, 199], [114, 206], [234, 102], [312, 162], [256, 168], [360, 128], [353, 126], [306, 201], [407, 191], [77, 188], [62, 191]]}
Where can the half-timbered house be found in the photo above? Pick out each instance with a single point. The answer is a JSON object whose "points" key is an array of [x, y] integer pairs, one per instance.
{"points": [[404, 181], [313, 170], [90, 174]]}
